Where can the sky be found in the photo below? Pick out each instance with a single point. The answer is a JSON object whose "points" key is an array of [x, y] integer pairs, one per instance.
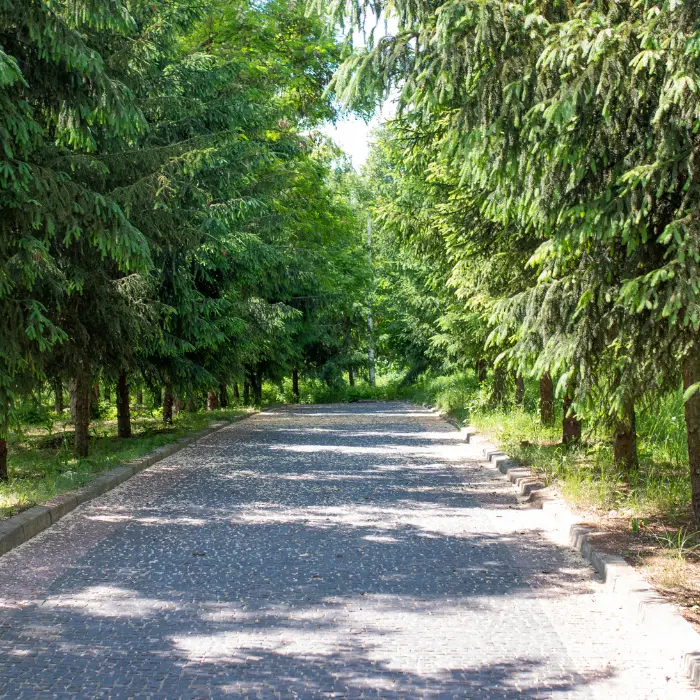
{"points": [[353, 135]]}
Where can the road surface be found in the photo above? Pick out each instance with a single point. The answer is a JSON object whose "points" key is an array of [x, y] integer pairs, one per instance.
{"points": [[320, 551]]}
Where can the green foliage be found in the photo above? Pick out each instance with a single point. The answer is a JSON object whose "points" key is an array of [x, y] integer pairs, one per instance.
{"points": [[170, 213], [542, 170]]}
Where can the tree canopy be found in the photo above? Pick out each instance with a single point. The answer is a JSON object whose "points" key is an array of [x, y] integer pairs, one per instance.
{"points": [[543, 162], [171, 215]]}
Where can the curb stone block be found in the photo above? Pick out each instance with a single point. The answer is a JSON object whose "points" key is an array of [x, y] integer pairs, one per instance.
{"points": [[469, 434], [61, 505], [691, 666], [501, 462], [34, 520], [20, 528], [11, 535], [644, 602]]}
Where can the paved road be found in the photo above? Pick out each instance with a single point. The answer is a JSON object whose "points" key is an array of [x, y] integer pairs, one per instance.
{"points": [[350, 551]]}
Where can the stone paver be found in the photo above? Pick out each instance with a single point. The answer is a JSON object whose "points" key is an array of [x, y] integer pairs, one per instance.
{"points": [[336, 551]]}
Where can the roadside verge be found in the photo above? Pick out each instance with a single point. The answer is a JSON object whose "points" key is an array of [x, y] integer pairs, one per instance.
{"points": [[640, 599]]}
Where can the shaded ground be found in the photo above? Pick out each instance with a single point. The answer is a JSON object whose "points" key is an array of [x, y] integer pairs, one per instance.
{"points": [[349, 550]]}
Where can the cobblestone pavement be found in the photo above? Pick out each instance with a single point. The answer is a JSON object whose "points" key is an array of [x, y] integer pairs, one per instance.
{"points": [[337, 551]]}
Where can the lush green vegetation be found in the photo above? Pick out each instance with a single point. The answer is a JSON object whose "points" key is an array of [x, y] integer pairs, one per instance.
{"points": [[174, 223], [537, 205], [172, 219]]}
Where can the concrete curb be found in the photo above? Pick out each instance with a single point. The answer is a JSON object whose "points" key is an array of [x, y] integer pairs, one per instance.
{"points": [[20, 528], [637, 595]]}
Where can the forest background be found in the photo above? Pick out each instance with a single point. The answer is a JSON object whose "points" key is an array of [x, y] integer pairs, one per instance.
{"points": [[177, 234]]}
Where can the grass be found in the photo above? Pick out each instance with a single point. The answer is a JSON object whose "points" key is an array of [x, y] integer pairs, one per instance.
{"points": [[316, 391], [41, 460], [585, 474]]}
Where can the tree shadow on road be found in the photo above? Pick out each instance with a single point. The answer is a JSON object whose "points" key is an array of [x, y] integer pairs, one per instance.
{"points": [[311, 564]]}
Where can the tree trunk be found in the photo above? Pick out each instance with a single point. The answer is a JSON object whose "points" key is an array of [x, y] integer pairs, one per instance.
{"points": [[571, 426], [168, 400], [223, 396], [546, 400], [106, 393], [258, 387], [295, 385], [246, 392], [498, 393], [83, 395], [691, 375], [123, 408], [191, 404], [481, 370], [178, 405], [212, 401], [158, 398], [256, 381], [139, 396], [58, 394], [625, 446], [96, 392], [236, 394], [3, 450], [72, 398], [519, 390], [351, 377]]}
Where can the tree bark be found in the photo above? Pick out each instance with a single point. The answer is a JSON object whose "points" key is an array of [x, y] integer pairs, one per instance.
{"points": [[236, 393], [498, 395], [4, 476], [246, 392], [83, 395], [191, 404], [481, 370], [58, 394], [256, 380], [546, 400], [571, 426], [72, 398], [625, 445], [212, 401], [519, 390], [223, 396], [123, 408], [168, 400], [351, 377], [158, 398], [178, 405], [139, 396], [691, 375], [295, 385]]}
